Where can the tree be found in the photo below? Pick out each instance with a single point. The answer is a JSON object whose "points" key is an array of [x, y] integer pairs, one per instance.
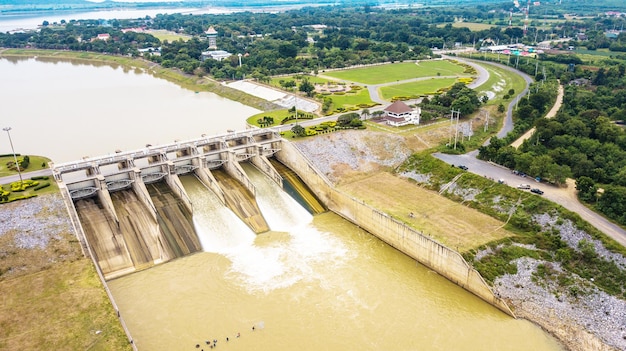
{"points": [[345, 120], [286, 50], [365, 113], [586, 188], [307, 87], [464, 105], [501, 108], [298, 130]]}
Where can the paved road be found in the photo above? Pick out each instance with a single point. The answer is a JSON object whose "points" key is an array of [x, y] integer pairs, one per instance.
{"points": [[26, 175], [565, 197]]}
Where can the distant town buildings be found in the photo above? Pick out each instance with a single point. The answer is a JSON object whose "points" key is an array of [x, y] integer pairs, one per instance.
{"points": [[512, 49]]}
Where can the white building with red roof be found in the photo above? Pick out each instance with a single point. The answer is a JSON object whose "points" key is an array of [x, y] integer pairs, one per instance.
{"points": [[400, 114]]}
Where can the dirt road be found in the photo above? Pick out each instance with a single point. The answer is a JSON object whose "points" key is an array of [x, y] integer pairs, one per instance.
{"points": [[557, 105]]}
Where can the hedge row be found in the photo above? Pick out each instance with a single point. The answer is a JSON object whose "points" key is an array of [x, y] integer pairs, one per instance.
{"points": [[41, 186]]}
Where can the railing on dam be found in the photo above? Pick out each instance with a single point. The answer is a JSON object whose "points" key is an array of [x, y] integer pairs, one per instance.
{"points": [[155, 162]]}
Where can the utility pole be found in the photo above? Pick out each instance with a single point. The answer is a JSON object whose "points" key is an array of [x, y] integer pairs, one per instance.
{"points": [[456, 132], [451, 124], [487, 121], [17, 164], [295, 105], [536, 64]]}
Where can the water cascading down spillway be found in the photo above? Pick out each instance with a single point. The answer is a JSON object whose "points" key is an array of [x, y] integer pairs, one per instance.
{"points": [[295, 187]]}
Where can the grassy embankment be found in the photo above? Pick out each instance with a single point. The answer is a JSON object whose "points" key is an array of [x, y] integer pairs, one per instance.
{"points": [[52, 296], [190, 82]]}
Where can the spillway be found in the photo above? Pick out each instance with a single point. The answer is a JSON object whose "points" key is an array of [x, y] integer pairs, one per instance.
{"points": [[138, 228], [295, 187], [104, 236], [175, 222], [218, 228], [281, 211], [241, 201]]}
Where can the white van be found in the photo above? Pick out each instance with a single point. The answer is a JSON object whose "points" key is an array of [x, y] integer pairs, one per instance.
{"points": [[524, 186]]}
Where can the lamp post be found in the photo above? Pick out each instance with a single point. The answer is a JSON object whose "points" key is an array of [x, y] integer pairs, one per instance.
{"points": [[7, 129]]}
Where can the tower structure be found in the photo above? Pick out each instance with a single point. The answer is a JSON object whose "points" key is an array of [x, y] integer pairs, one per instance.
{"points": [[211, 34], [526, 18]]}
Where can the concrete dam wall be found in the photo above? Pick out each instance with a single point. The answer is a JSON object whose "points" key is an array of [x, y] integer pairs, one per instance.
{"points": [[443, 260]]}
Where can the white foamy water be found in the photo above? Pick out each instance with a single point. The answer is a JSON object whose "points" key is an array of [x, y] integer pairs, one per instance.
{"points": [[218, 228], [282, 263], [281, 212]]}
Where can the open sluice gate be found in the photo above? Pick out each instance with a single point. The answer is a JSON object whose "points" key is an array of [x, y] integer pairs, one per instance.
{"points": [[134, 211]]}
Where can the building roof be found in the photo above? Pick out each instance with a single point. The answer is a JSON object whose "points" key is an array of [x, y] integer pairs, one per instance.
{"points": [[398, 107], [211, 30]]}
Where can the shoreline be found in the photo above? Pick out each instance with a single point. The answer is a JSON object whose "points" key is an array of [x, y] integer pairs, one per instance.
{"points": [[190, 82]]}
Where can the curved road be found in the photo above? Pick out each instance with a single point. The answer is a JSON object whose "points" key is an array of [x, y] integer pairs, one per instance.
{"points": [[551, 113]]}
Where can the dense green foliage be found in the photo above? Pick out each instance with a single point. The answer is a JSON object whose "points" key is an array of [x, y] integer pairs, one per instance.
{"points": [[584, 141], [279, 43]]}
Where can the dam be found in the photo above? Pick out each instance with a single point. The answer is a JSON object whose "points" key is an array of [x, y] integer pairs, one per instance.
{"points": [[133, 211], [241, 254]]}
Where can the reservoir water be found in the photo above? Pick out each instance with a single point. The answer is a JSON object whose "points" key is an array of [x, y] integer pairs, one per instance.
{"points": [[66, 110], [311, 283]]}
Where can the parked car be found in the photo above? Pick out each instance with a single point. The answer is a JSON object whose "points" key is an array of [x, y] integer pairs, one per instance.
{"points": [[524, 186], [536, 191], [463, 167]]}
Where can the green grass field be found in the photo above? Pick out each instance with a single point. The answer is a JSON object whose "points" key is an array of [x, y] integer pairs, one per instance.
{"points": [[36, 163], [351, 99], [275, 81], [169, 36], [473, 26], [422, 87], [398, 71]]}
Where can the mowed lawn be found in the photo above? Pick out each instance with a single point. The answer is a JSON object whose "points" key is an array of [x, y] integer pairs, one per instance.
{"points": [[422, 87], [275, 81], [398, 71], [168, 35], [351, 99]]}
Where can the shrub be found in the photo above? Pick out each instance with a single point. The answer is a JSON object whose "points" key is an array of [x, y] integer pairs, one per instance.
{"points": [[41, 186]]}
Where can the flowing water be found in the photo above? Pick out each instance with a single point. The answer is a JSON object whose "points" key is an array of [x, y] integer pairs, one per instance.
{"points": [[312, 283]]}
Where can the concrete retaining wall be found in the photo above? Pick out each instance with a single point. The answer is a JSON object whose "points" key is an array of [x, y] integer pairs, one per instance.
{"points": [[411, 242]]}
